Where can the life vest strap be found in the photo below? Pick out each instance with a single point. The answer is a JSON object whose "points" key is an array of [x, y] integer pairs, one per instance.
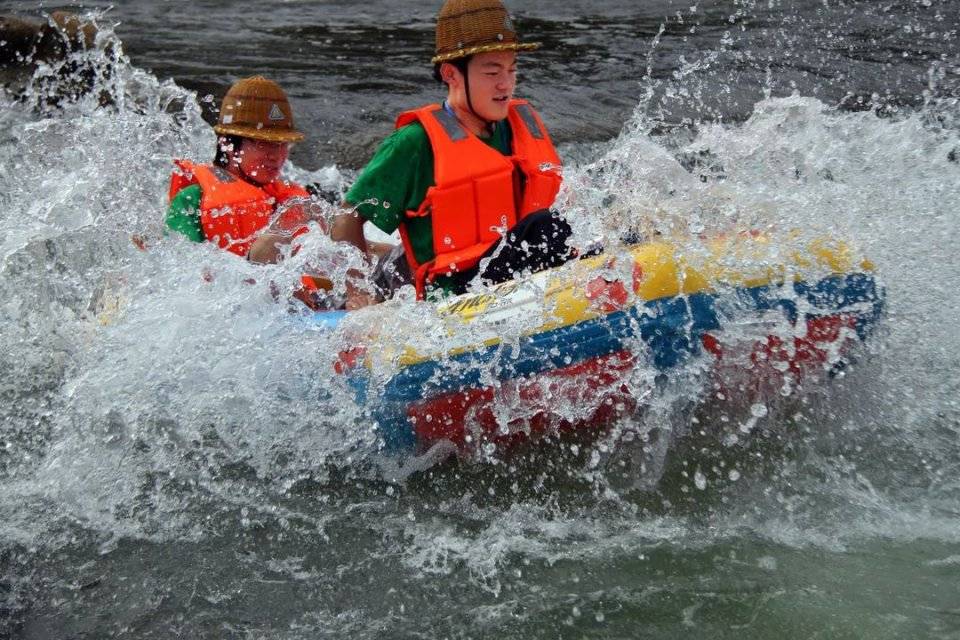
{"points": [[425, 208], [419, 271]]}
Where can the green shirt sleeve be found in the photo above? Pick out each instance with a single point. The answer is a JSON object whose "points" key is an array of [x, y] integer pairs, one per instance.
{"points": [[396, 179], [183, 216]]}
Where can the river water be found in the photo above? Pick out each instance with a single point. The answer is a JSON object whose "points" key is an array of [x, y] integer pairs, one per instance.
{"points": [[178, 459]]}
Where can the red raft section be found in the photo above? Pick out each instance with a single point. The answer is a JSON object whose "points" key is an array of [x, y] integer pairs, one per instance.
{"points": [[469, 417]]}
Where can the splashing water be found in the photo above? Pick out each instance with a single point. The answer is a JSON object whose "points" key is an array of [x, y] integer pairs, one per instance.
{"points": [[170, 421]]}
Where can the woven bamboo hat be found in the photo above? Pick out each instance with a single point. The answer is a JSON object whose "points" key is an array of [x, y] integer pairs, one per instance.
{"points": [[257, 108], [468, 27]]}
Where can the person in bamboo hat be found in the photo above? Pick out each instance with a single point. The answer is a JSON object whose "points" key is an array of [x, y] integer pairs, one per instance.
{"points": [[232, 200], [468, 179]]}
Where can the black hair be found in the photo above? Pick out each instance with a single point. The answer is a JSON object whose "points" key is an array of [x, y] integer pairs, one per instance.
{"points": [[224, 143], [459, 63]]}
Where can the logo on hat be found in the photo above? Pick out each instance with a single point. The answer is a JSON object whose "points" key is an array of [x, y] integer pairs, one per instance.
{"points": [[276, 113]]}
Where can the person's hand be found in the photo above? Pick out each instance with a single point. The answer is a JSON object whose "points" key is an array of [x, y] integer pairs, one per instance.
{"points": [[358, 299], [359, 294], [266, 249], [296, 215], [293, 216]]}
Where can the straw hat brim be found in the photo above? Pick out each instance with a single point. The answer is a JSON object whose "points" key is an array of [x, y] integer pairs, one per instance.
{"points": [[268, 135], [485, 48]]}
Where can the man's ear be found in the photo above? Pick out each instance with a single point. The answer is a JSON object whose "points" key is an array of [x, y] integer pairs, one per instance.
{"points": [[449, 73]]}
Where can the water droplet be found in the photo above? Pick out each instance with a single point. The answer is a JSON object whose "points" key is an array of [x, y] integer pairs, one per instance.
{"points": [[594, 459], [700, 480]]}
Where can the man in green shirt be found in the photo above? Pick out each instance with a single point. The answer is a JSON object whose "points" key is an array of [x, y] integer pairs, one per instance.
{"points": [[399, 188]]}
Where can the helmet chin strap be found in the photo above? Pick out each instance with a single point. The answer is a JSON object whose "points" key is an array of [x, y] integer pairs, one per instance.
{"points": [[466, 85]]}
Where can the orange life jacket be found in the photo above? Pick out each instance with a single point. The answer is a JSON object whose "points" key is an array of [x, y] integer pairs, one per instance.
{"points": [[479, 193], [232, 211]]}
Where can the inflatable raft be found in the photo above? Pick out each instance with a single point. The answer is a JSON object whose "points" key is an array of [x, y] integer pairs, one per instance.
{"points": [[575, 347]]}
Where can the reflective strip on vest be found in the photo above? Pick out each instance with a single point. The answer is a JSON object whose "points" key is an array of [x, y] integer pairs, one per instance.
{"points": [[450, 124], [526, 114]]}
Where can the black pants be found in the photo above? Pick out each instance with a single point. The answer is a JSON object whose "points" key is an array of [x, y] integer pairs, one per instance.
{"points": [[537, 242]]}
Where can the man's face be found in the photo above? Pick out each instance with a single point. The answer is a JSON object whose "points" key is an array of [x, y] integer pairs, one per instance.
{"points": [[493, 79], [261, 160]]}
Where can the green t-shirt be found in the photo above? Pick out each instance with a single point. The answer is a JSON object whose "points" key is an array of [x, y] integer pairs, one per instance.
{"points": [[183, 215], [397, 178]]}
